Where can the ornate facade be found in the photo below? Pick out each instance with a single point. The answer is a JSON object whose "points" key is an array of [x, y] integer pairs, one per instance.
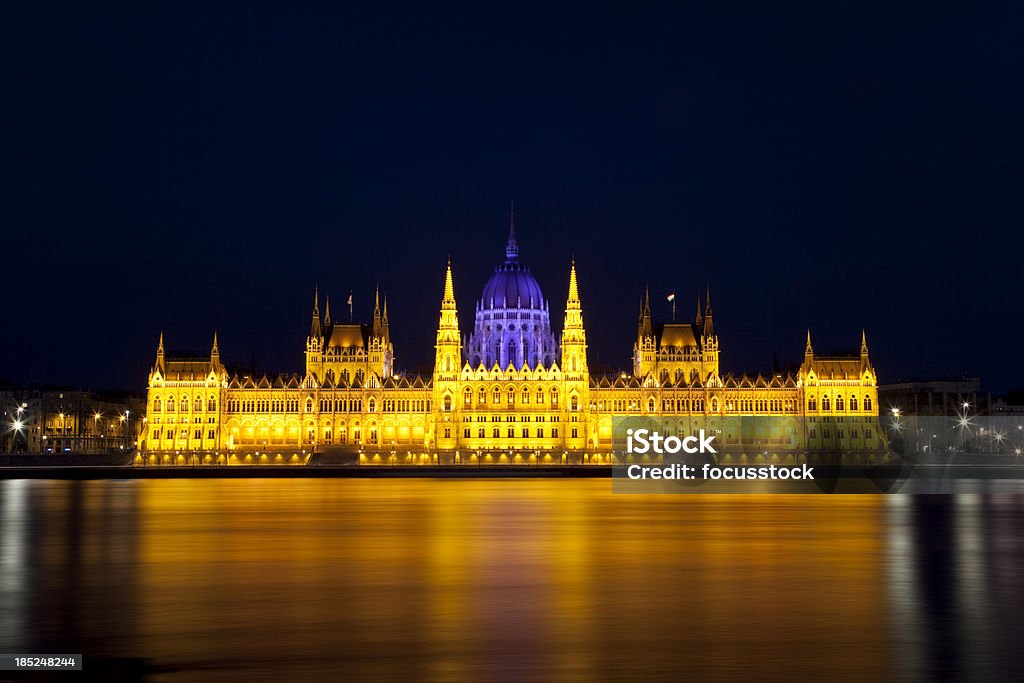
{"points": [[508, 393]]}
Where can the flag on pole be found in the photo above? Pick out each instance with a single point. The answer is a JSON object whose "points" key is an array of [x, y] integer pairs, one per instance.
{"points": [[349, 302], [672, 296]]}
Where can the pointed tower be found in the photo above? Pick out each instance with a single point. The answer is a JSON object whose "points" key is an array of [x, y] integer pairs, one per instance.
{"points": [[709, 326], [448, 356], [575, 375], [316, 329], [447, 364], [574, 337], [160, 354], [708, 340], [645, 348], [377, 321], [215, 354], [327, 313], [699, 319], [808, 349], [646, 326], [385, 325], [315, 340], [863, 346]]}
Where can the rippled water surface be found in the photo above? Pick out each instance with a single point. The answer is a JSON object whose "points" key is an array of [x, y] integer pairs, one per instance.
{"points": [[507, 580]]}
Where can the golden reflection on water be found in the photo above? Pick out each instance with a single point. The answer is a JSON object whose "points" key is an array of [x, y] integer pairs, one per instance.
{"points": [[448, 580]]}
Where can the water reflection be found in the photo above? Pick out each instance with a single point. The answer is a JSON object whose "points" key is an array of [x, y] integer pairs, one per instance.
{"points": [[508, 580]]}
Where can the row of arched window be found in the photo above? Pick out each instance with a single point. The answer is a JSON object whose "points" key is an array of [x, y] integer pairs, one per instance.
{"points": [[840, 403], [184, 404], [262, 405], [510, 433], [467, 398], [496, 396]]}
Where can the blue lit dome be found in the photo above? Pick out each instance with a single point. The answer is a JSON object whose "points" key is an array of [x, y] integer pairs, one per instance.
{"points": [[512, 286], [512, 326]]}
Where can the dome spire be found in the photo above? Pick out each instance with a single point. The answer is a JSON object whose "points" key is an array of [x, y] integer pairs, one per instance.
{"points": [[512, 248]]}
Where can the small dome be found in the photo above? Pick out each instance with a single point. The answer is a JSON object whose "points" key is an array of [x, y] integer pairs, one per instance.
{"points": [[512, 286]]}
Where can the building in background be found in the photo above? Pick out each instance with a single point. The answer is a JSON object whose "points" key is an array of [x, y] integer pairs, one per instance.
{"points": [[69, 421], [509, 391], [935, 398]]}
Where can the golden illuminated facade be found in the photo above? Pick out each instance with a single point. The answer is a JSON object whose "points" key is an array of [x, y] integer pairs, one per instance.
{"points": [[508, 392]]}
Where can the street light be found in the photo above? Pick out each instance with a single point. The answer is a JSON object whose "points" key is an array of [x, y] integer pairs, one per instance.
{"points": [[16, 427]]}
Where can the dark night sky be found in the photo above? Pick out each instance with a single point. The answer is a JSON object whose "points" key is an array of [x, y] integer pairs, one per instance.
{"points": [[834, 165]]}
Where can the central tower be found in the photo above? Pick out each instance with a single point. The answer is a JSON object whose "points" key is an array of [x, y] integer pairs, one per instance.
{"points": [[512, 326]]}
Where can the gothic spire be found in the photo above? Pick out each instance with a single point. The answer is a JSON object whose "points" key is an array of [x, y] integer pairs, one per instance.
{"points": [[327, 313], [574, 294], [448, 300], [808, 350], [709, 326], [315, 329], [645, 328], [863, 344], [512, 248], [160, 352], [700, 318], [377, 323]]}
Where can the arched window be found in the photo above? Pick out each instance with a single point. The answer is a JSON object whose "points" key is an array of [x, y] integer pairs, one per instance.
{"points": [[372, 405], [867, 402], [839, 403], [496, 397], [481, 397], [511, 432], [526, 432], [495, 433], [826, 403], [156, 404], [447, 403], [574, 403], [526, 395], [554, 398], [540, 396], [467, 396], [714, 405], [198, 404], [184, 404], [853, 402], [812, 403], [650, 405], [511, 396], [211, 404]]}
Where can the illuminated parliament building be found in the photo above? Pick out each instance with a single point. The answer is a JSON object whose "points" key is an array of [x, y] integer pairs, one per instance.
{"points": [[512, 390]]}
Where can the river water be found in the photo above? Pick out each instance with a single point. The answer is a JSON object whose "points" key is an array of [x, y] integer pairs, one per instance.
{"points": [[507, 580]]}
